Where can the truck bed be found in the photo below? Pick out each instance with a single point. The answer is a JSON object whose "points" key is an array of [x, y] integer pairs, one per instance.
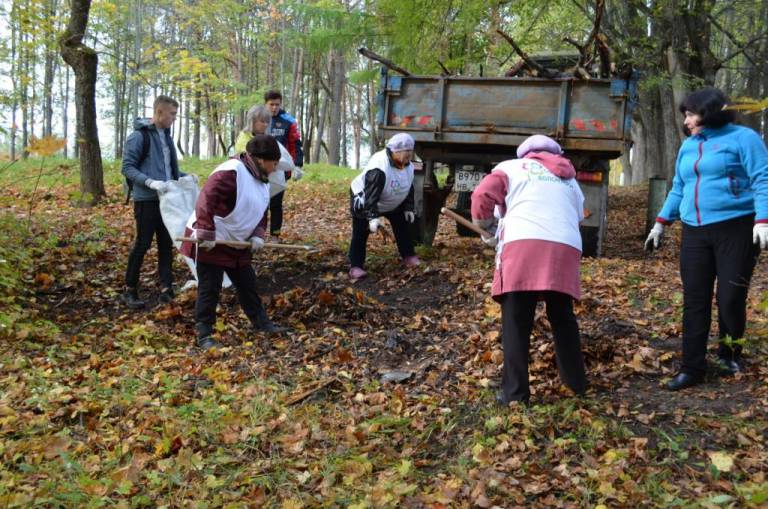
{"points": [[499, 113]]}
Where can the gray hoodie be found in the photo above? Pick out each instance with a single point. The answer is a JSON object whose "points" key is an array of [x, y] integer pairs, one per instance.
{"points": [[153, 166]]}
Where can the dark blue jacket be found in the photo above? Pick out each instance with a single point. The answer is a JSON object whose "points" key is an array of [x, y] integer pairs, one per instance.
{"points": [[138, 171]]}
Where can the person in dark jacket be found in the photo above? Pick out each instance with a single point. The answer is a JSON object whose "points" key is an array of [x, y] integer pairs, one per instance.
{"points": [[232, 206], [286, 129], [383, 188], [149, 169], [720, 195]]}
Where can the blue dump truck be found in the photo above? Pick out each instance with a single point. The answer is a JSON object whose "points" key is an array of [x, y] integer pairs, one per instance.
{"points": [[468, 125]]}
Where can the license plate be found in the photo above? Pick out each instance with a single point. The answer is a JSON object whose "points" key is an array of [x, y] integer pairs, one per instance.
{"points": [[467, 181]]}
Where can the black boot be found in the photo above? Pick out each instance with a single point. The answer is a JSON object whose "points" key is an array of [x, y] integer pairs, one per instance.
{"points": [[131, 298], [205, 337], [166, 295], [729, 366], [264, 324], [683, 381]]}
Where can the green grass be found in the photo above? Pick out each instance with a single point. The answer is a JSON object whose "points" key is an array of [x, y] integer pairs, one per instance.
{"points": [[54, 171]]}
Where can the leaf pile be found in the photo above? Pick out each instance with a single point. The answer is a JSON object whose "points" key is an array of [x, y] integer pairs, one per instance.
{"points": [[382, 394]]}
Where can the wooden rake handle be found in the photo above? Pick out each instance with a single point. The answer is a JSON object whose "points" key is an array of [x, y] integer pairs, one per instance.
{"points": [[241, 245], [462, 221]]}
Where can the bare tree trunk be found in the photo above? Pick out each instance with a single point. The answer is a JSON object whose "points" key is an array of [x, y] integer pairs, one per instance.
{"points": [[373, 140], [23, 70], [312, 113], [84, 63], [196, 133], [14, 82], [356, 125], [186, 123], [345, 114], [336, 79], [320, 128], [137, 110], [297, 74], [65, 112], [50, 60]]}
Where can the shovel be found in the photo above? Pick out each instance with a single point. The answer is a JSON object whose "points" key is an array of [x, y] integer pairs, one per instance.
{"points": [[243, 245], [462, 221]]}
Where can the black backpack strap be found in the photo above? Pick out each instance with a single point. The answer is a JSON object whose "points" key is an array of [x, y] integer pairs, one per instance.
{"points": [[145, 144]]}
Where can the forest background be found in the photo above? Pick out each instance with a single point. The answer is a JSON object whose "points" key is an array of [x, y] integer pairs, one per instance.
{"points": [[218, 58]]}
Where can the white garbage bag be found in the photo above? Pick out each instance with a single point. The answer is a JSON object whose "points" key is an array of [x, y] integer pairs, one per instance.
{"points": [[176, 205]]}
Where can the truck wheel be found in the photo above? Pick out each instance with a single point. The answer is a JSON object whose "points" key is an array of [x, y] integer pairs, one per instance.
{"points": [[463, 207], [428, 205]]}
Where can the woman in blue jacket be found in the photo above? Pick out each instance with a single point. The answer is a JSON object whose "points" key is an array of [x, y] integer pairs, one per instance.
{"points": [[720, 194]]}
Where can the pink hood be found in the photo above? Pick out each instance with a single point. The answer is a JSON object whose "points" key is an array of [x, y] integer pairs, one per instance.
{"points": [[557, 164]]}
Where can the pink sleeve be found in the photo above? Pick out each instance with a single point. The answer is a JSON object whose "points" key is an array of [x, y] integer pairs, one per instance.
{"points": [[491, 192]]}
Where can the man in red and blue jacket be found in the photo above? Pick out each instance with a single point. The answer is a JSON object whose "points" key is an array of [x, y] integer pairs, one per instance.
{"points": [[285, 129]]}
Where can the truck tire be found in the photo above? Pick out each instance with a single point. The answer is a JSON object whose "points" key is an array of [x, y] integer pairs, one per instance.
{"points": [[463, 207], [424, 228]]}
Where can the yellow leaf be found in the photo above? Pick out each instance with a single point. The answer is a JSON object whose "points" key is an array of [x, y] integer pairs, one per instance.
{"points": [[748, 105], [46, 146], [721, 460]]}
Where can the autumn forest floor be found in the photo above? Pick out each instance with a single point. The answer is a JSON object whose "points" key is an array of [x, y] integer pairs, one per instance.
{"points": [[381, 395]]}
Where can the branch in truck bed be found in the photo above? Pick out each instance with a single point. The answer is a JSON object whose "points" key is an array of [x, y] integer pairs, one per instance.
{"points": [[387, 63], [531, 64], [519, 65]]}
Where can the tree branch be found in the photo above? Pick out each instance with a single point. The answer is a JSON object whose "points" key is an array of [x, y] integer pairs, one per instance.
{"points": [[387, 63], [533, 65], [742, 47]]}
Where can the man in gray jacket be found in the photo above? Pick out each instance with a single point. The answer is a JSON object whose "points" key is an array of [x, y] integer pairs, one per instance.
{"points": [[149, 163]]}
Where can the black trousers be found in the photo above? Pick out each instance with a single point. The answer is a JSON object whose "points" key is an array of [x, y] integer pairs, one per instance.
{"points": [[724, 252], [276, 213], [149, 224], [518, 310], [360, 233], [209, 278]]}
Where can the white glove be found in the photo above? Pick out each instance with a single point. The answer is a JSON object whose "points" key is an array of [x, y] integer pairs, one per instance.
{"points": [[256, 244], [490, 241], [409, 216], [760, 235], [158, 185], [297, 173], [374, 224], [189, 177], [654, 238], [207, 244], [489, 225]]}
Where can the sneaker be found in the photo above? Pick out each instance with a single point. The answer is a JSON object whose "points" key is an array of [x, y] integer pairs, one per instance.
{"points": [[166, 295], [411, 261], [131, 298], [357, 273]]}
